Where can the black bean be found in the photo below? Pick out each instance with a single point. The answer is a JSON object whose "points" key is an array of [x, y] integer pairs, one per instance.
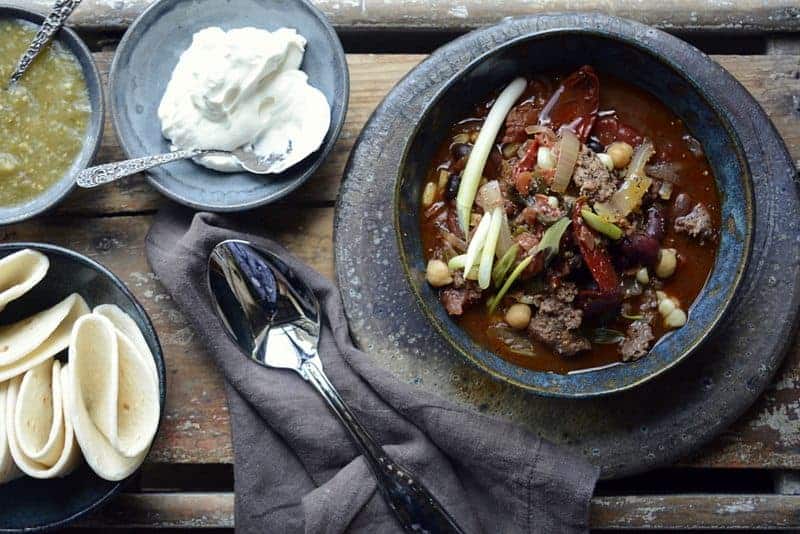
{"points": [[451, 191], [460, 150], [596, 146]]}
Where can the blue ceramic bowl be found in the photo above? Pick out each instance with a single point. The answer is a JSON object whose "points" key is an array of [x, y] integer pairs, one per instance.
{"points": [[28, 504], [143, 66], [628, 59], [70, 41]]}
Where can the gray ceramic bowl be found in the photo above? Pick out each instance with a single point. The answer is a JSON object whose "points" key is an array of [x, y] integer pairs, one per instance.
{"points": [[29, 504], [94, 131], [143, 66], [616, 50]]}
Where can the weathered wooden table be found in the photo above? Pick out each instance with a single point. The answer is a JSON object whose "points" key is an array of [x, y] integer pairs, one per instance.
{"points": [[746, 479]]}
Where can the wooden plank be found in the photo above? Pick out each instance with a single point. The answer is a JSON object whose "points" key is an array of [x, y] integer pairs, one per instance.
{"points": [[196, 427], [454, 15], [772, 80], [215, 510]]}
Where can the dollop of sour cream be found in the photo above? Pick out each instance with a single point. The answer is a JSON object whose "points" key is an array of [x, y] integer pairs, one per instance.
{"points": [[244, 88]]}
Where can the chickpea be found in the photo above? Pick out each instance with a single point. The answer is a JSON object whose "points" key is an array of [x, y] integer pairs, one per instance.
{"points": [[676, 319], [518, 316], [437, 273], [667, 262], [621, 153]]}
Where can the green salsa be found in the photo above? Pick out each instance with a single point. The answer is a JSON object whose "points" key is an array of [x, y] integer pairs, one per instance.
{"points": [[43, 118]]}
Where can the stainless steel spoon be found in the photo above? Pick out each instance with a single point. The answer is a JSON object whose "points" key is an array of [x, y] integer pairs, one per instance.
{"points": [[109, 172], [52, 23], [275, 318]]}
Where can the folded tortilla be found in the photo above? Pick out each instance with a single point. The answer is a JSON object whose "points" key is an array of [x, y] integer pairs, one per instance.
{"points": [[69, 454], [19, 272], [28, 343], [38, 416], [128, 327], [8, 469], [113, 402]]}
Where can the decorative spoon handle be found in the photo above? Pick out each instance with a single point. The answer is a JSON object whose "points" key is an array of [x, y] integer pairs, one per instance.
{"points": [[109, 172], [57, 17], [415, 507]]}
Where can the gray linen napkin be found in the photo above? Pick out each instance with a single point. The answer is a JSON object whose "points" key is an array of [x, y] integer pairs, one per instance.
{"points": [[295, 468]]}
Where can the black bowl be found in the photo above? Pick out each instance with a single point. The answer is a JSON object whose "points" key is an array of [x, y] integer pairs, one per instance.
{"points": [[54, 194], [653, 64], [30, 504], [143, 66]]}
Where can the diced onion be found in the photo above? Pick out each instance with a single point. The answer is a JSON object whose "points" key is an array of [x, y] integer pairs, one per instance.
{"points": [[640, 157], [568, 149], [544, 158], [489, 249], [489, 196], [470, 179], [504, 241]]}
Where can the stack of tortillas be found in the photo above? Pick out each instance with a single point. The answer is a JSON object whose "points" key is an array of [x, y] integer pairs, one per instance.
{"points": [[102, 402]]}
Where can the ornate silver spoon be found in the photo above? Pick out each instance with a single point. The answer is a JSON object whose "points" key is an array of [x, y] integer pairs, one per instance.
{"points": [[109, 172], [274, 317], [52, 23]]}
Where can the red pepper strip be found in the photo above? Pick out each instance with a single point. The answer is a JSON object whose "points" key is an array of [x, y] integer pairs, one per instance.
{"points": [[596, 257], [522, 181], [574, 104]]}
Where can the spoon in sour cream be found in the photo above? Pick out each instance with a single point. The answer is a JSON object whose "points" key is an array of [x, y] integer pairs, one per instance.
{"points": [[110, 172]]}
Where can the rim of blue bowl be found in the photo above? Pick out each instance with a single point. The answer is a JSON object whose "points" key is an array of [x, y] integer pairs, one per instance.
{"points": [[158, 356], [319, 156], [59, 190], [494, 360]]}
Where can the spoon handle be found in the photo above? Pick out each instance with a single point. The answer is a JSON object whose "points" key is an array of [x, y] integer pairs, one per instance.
{"points": [[415, 507], [57, 17], [109, 172]]}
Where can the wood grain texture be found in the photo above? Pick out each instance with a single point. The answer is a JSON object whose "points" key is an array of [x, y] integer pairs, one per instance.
{"points": [[215, 510], [196, 425], [772, 80], [708, 15]]}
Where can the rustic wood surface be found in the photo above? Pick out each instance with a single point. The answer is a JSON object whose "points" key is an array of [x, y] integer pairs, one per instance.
{"points": [[215, 510], [109, 224], [719, 15]]}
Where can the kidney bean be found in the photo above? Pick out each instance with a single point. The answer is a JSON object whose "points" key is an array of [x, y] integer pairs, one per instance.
{"points": [[639, 249]]}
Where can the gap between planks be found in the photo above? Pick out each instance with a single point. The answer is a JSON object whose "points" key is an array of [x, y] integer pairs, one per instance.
{"points": [[215, 510]]}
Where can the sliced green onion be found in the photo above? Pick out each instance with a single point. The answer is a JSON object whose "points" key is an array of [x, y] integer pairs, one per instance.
{"points": [[476, 244], [552, 239], [471, 177], [601, 225], [494, 301], [457, 262], [501, 268], [607, 336], [487, 255]]}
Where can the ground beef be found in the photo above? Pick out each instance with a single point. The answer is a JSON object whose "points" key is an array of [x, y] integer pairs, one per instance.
{"points": [[518, 118], [540, 210], [457, 299], [637, 341], [696, 223], [555, 322], [593, 178]]}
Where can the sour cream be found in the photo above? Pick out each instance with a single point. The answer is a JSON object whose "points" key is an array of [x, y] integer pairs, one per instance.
{"points": [[244, 88]]}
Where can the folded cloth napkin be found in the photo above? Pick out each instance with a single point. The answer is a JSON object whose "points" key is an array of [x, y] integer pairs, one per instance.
{"points": [[295, 468]]}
